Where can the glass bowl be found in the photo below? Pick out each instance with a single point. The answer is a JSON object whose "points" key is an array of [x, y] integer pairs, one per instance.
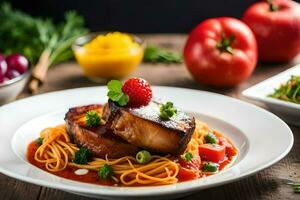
{"points": [[105, 64]]}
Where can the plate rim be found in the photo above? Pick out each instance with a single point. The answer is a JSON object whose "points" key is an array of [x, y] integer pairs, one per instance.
{"points": [[62, 186]]}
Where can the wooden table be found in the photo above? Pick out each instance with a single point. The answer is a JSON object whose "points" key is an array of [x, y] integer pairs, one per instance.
{"points": [[267, 184]]}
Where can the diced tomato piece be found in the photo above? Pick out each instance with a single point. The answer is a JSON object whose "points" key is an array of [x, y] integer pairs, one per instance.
{"points": [[212, 152], [229, 149], [194, 164], [187, 174]]}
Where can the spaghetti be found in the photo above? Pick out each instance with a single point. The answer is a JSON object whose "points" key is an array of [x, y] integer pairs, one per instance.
{"points": [[56, 150], [197, 137], [57, 153]]}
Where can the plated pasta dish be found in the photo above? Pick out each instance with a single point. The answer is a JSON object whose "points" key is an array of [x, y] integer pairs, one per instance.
{"points": [[132, 140]]}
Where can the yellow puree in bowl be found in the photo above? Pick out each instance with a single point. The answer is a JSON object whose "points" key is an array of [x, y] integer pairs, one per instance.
{"points": [[112, 55]]}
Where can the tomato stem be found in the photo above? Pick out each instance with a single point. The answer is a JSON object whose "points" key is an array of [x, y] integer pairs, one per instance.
{"points": [[272, 6], [225, 44]]}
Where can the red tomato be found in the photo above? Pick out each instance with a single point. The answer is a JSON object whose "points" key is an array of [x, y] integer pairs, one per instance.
{"points": [[221, 52], [212, 152], [194, 164], [186, 174], [277, 32], [229, 149]]}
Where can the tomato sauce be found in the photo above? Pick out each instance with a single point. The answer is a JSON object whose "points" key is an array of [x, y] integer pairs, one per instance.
{"points": [[69, 172], [230, 155], [92, 177], [186, 175]]}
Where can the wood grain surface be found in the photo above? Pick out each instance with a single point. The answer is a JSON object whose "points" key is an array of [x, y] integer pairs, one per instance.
{"points": [[267, 184]]}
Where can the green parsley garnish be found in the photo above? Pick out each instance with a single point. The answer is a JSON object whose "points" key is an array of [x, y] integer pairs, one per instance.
{"points": [[188, 156], [210, 167], [296, 189], [82, 156], [295, 186], [211, 138], [92, 118], [289, 91], [167, 111], [39, 141], [105, 172], [116, 94]]}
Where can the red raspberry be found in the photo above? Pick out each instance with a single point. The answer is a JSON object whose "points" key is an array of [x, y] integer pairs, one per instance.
{"points": [[138, 91]]}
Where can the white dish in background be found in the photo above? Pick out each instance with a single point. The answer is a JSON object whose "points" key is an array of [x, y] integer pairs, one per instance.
{"points": [[10, 89], [288, 111], [250, 127]]}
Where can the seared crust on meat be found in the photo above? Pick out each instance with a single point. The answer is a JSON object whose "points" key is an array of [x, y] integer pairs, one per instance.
{"points": [[144, 128], [101, 141]]}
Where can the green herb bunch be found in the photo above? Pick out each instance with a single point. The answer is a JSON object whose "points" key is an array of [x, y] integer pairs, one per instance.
{"points": [[154, 54], [31, 36]]}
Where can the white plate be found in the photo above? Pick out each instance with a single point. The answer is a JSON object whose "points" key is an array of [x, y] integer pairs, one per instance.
{"points": [[253, 130], [286, 110]]}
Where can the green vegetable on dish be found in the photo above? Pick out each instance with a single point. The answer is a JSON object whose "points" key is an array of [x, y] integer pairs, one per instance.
{"points": [[105, 172], [210, 167], [289, 91], [188, 156], [295, 186], [143, 157], [211, 138], [82, 156], [296, 189], [39, 141], [154, 54], [116, 94], [92, 118], [167, 111]]}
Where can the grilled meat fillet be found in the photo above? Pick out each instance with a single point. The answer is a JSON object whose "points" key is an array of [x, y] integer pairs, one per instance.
{"points": [[144, 128], [100, 140]]}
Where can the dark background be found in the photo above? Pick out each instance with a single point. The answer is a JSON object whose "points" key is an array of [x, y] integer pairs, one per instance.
{"points": [[138, 16]]}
